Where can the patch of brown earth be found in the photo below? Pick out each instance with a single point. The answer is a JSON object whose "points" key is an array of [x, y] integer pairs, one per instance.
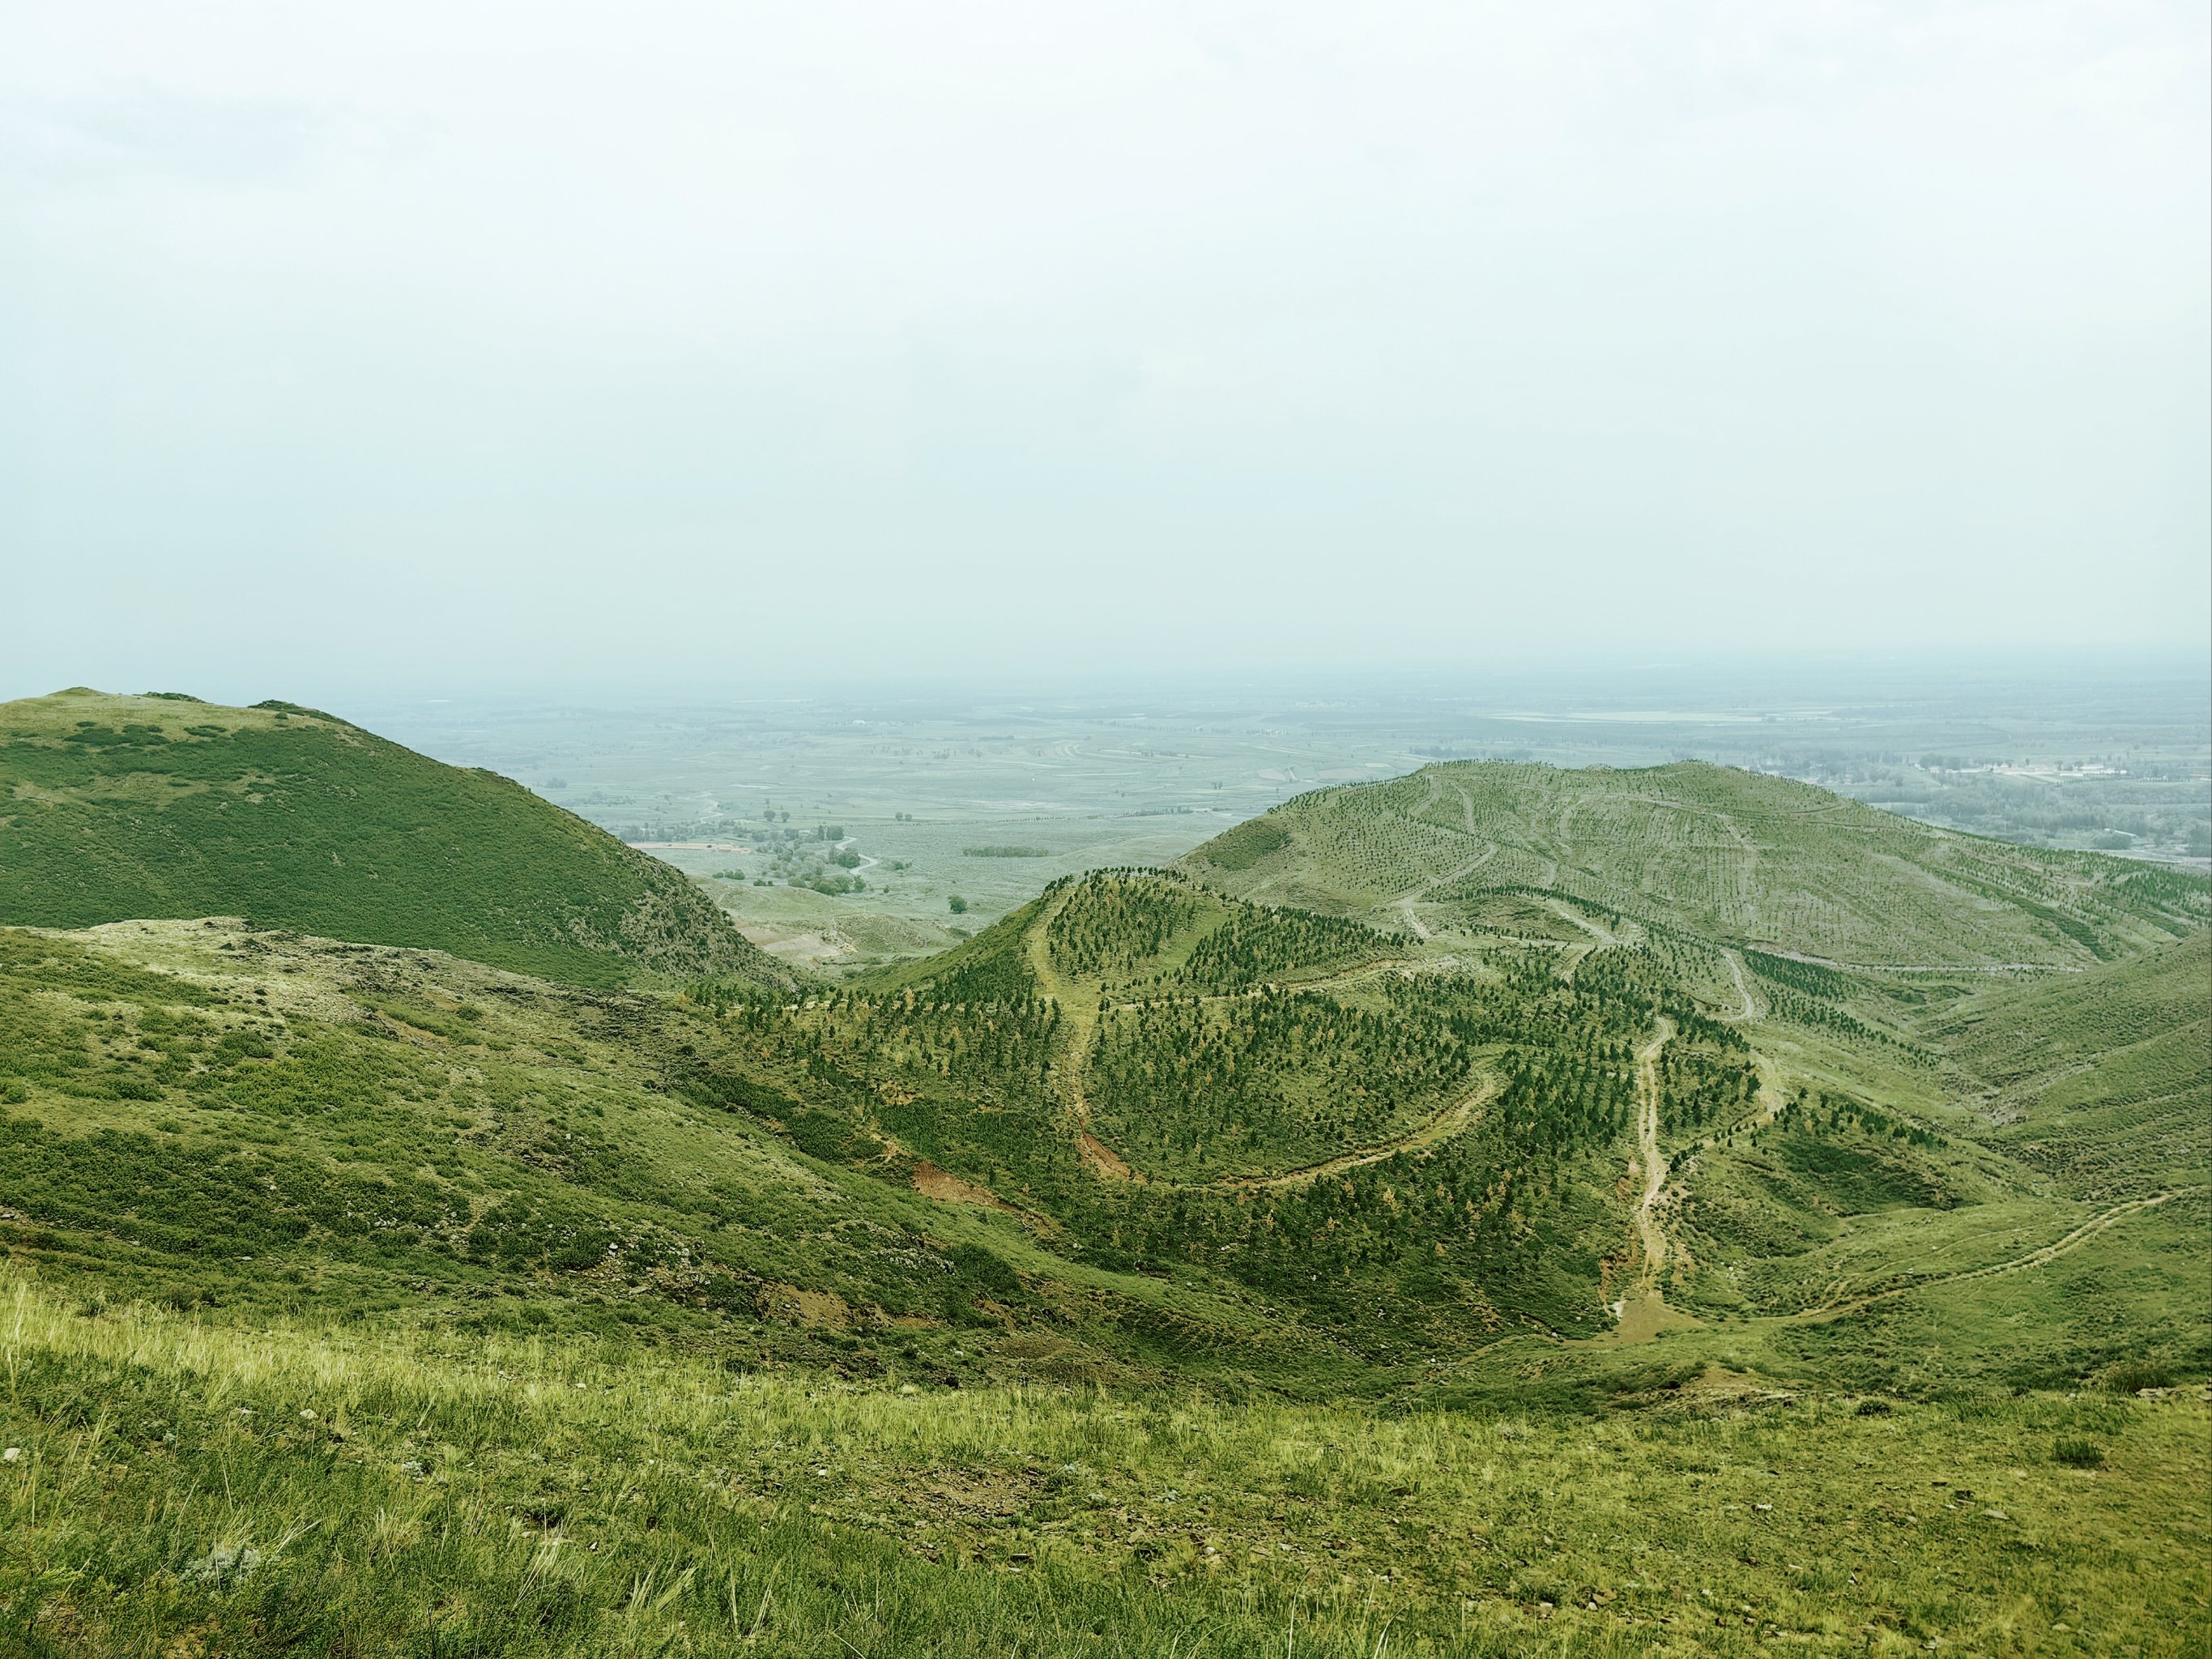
{"points": [[947, 1187], [819, 1309], [802, 947], [1103, 1158]]}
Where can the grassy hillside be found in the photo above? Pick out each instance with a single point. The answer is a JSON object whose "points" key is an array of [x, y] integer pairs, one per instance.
{"points": [[1176, 1082], [2104, 1079], [1736, 857], [215, 1118], [1416, 1146], [162, 806], [188, 1487], [1451, 1270]]}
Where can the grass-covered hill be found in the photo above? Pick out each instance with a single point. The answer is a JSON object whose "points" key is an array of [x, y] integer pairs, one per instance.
{"points": [[1736, 857], [369, 1300], [1242, 1096], [1419, 1146], [118, 807], [2103, 1078], [214, 1117], [1566, 1264]]}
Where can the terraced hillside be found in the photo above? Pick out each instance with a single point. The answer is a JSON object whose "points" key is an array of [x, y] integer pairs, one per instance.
{"points": [[114, 807], [1734, 857], [1416, 1146], [1400, 1136], [1033, 1296], [1134, 1063]]}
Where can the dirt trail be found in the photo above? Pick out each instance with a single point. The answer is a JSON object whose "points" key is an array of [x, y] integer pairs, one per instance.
{"points": [[1642, 1310], [1649, 1232], [1436, 793], [1454, 1121], [1406, 901], [1081, 1014], [1742, 989], [2037, 1258], [946, 1188], [1104, 1160], [1373, 969], [1567, 913], [1930, 967]]}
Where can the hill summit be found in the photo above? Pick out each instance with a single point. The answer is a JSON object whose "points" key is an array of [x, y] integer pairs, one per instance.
{"points": [[115, 808], [1733, 857]]}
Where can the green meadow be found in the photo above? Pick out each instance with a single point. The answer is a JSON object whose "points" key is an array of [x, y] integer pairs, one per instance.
{"points": [[184, 1484]]}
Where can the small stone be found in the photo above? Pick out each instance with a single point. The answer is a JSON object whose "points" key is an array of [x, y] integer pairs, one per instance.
{"points": [[12, 1454]]}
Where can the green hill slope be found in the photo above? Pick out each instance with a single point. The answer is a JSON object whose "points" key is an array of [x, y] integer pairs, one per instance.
{"points": [[1038, 1297], [1404, 1149], [115, 807], [1420, 1150], [1736, 857], [2104, 1078], [217, 1117]]}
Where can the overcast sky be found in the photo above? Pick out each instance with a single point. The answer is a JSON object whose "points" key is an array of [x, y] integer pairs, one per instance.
{"points": [[417, 344]]}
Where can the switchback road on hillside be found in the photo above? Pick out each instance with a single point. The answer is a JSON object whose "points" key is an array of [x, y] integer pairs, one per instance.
{"points": [[1082, 1015]]}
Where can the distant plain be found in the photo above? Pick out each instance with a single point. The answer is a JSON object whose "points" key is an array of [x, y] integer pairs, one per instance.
{"points": [[2071, 753]]}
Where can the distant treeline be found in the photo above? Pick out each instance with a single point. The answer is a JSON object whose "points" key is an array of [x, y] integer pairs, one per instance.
{"points": [[1004, 853]]}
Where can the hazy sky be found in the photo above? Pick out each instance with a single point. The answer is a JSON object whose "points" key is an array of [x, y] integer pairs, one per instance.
{"points": [[504, 343]]}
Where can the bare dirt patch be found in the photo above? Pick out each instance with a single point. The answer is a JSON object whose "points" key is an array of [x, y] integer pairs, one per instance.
{"points": [[1103, 1158], [947, 1187], [803, 948], [818, 1310]]}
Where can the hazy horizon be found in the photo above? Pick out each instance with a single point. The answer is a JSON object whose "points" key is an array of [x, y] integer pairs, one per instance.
{"points": [[452, 346], [1784, 681]]}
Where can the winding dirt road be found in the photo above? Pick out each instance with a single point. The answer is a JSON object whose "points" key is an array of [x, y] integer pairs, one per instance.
{"points": [[1649, 1233], [2036, 1258], [1643, 1312], [1742, 987], [1082, 1014], [1454, 1121]]}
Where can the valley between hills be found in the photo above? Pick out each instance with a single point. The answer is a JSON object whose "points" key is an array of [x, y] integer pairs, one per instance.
{"points": [[1499, 1208]]}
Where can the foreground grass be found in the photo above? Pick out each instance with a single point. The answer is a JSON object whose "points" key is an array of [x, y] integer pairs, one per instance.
{"points": [[182, 1488]]}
